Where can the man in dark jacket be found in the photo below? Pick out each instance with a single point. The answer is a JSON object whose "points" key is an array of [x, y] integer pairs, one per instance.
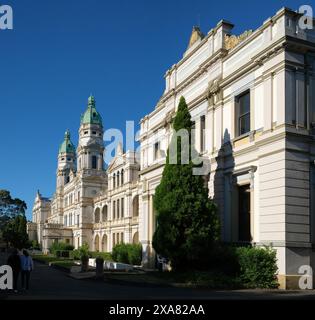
{"points": [[14, 262]]}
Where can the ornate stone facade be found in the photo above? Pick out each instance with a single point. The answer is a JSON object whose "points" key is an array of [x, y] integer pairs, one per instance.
{"points": [[253, 105]]}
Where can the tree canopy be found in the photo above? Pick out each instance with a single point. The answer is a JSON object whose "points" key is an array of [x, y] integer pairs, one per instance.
{"points": [[12, 220]]}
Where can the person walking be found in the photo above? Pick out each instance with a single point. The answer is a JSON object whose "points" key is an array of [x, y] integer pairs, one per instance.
{"points": [[14, 262], [27, 267]]}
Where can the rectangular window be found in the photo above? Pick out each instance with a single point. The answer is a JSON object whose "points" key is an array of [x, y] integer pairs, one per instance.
{"points": [[156, 150], [114, 210], [122, 237], [117, 237], [114, 238], [78, 220], [118, 207], [193, 134], [243, 113], [94, 162], [122, 207], [202, 133]]}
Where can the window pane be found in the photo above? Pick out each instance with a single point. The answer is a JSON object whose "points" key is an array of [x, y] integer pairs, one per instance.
{"points": [[244, 103], [93, 162], [244, 124], [202, 133]]}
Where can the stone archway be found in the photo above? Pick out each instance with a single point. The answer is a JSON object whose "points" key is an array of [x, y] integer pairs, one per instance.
{"points": [[104, 243], [135, 238], [97, 243]]}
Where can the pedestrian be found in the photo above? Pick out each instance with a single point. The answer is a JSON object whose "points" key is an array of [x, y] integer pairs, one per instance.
{"points": [[27, 267], [14, 262]]}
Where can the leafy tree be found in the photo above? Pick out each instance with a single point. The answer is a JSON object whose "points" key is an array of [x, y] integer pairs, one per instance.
{"points": [[187, 222], [15, 232], [12, 220]]}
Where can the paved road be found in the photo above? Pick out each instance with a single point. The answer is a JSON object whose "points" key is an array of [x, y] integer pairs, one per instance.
{"points": [[49, 283]]}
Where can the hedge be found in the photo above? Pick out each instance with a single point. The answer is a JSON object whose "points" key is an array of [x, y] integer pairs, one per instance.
{"points": [[105, 255], [60, 246], [258, 267], [127, 253]]}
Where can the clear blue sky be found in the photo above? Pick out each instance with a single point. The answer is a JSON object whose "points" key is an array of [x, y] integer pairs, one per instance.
{"points": [[61, 51]]}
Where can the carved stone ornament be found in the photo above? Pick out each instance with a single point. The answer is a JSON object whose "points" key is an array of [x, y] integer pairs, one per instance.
{"points": [[231, 41]]}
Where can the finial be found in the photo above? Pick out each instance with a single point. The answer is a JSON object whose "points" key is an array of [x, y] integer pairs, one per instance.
{"points": [[91, 101], [67, 134]]}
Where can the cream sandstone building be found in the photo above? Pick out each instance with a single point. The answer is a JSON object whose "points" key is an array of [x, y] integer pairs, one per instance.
{"points": [[252, 100]]}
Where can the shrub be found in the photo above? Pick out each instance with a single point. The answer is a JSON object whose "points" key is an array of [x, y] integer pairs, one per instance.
{"points": [[258, 267], [127, 253], [84, 251], [120, 253], [60, 246], [75, 254], [104, 255], [35, 245], [134, 254]]}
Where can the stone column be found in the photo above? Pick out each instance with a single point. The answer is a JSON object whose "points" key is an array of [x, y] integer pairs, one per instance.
{"points": [[144, 229]]}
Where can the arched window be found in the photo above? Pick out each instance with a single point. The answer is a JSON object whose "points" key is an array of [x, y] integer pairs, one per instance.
{"points": [[118, 179], [122, 176], [104, 213], [94, 162], [97, 215], [135, 238], [114, 180]]}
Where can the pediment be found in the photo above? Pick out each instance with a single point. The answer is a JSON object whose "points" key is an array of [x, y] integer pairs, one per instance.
{"points": [[116, 162]]}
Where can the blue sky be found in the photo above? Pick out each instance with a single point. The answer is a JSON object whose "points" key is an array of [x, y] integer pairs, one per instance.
{"points": [[61, 51]]}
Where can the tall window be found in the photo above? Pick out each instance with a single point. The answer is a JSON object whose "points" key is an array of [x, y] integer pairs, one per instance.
{"points": [[202, 133], [78, 220], [118, 179], [122, 207], [122, 237], [156, 150], [243, 113], [114, 210], [122, 176], [94, 162], [114, 238], [114, 180], [118, 207], [193, 137], [117, 237]]}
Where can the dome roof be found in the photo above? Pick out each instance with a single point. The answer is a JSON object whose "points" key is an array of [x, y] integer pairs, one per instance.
{"points": [[91, 116], [67, 146]]}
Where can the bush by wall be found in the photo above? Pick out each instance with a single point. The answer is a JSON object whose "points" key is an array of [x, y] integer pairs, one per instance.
{"points": [[60, 246], [258, 267], [127, 253]]}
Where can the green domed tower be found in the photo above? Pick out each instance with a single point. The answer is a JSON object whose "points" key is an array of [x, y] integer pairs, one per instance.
{"points": [[66, 160], [91, 147]]}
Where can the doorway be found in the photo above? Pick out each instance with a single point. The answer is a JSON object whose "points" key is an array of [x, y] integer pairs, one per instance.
{"points": [[244, 233]]}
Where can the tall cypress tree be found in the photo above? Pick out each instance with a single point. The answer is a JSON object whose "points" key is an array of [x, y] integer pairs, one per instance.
{"points": [[187, 222]]}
